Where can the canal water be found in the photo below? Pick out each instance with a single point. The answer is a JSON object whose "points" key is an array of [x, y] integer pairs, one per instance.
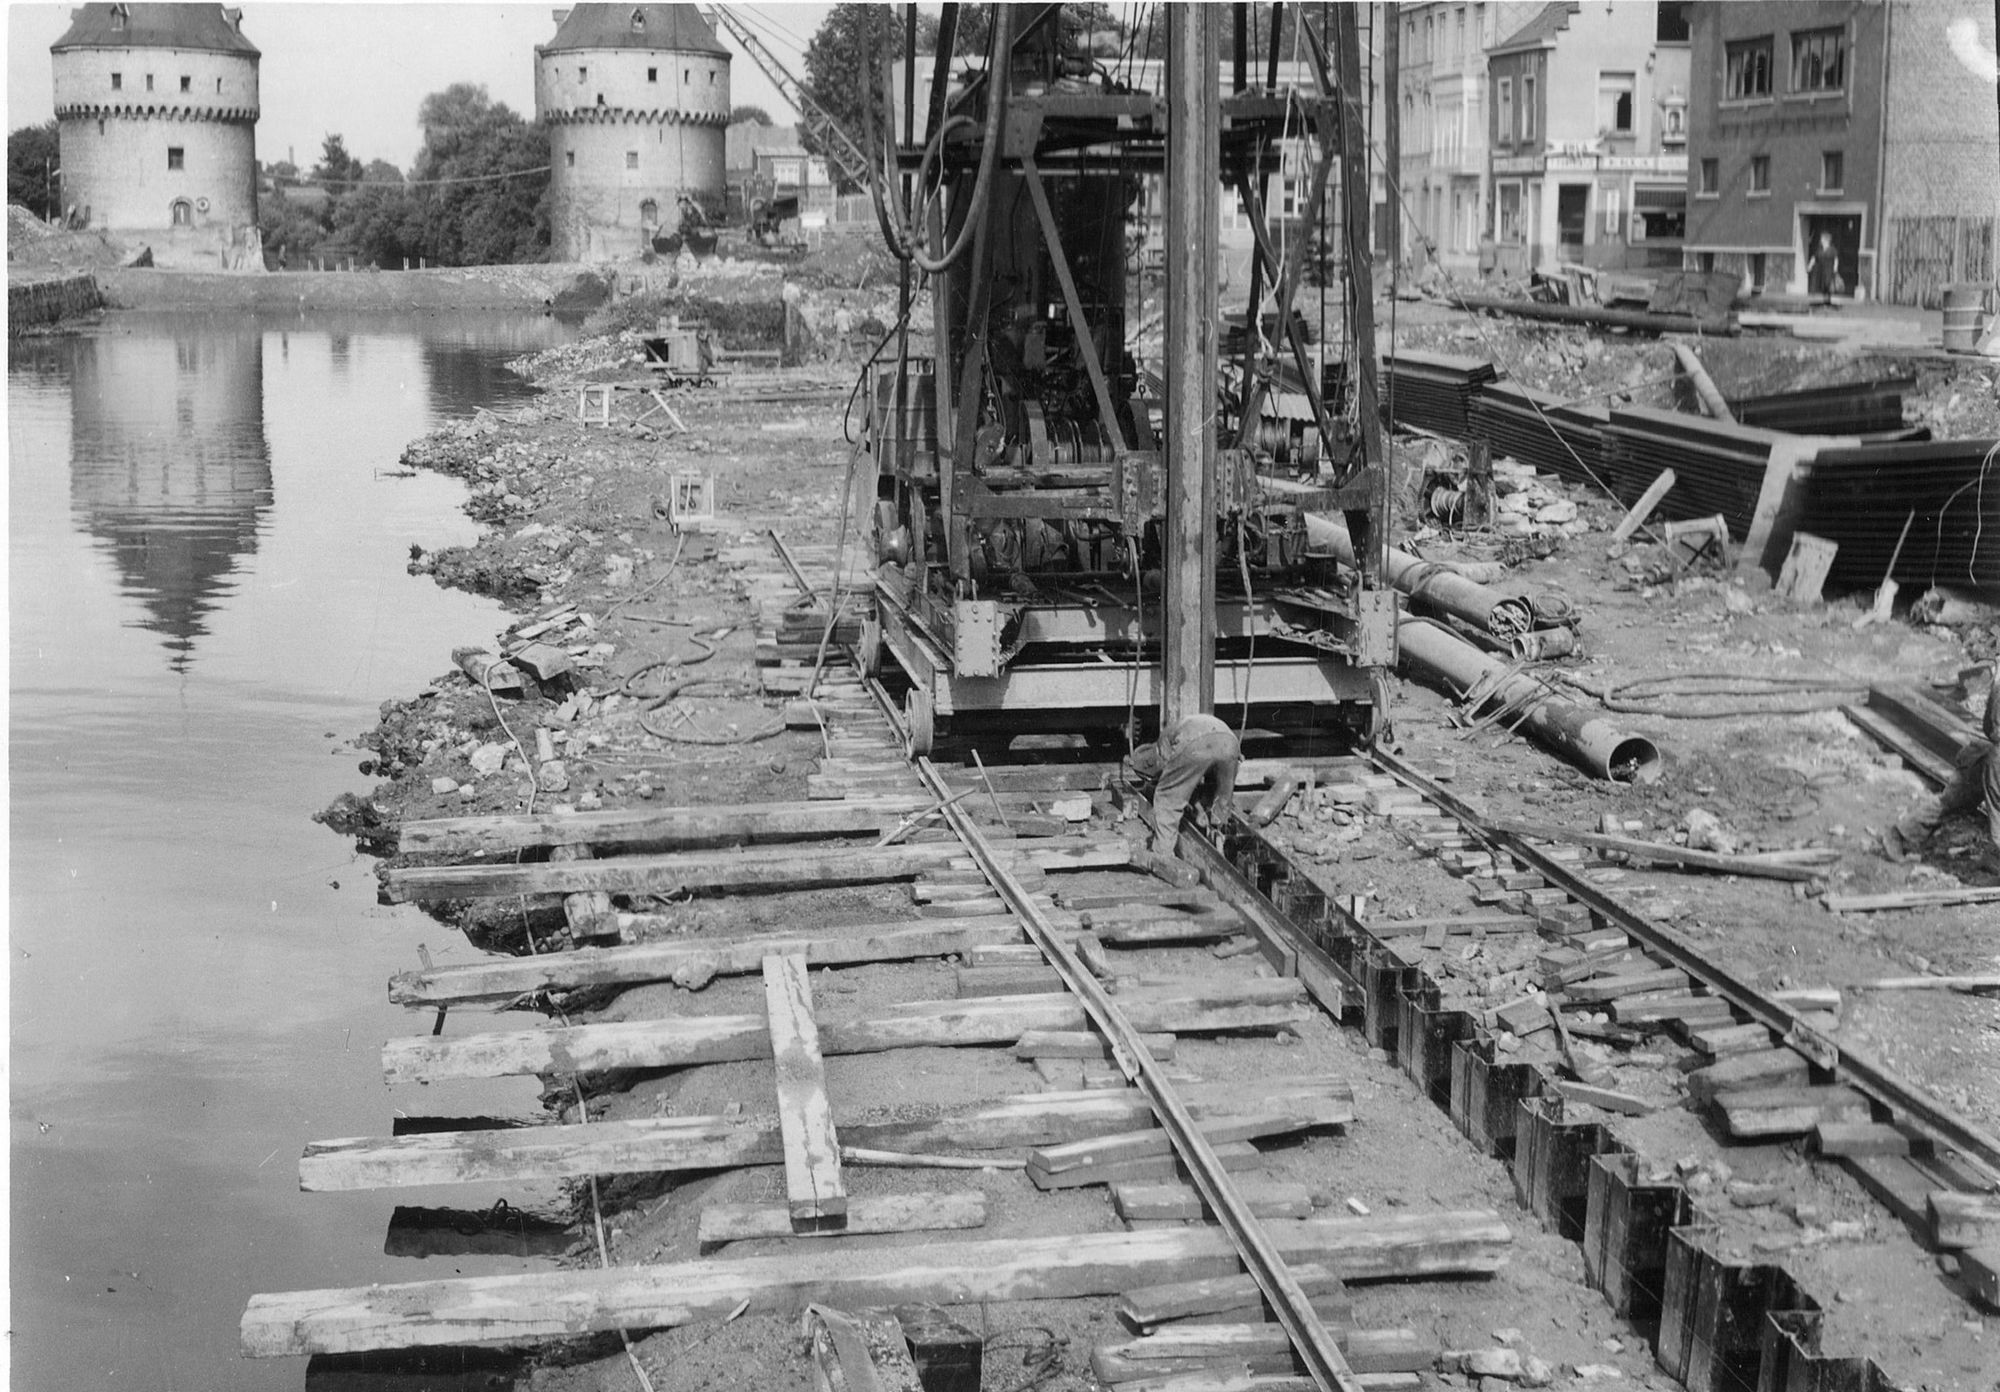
{"points": [[207, 538]]}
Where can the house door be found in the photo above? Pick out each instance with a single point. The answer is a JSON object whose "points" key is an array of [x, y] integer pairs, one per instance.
{"points": [[1572, 210], [1845, 229]]}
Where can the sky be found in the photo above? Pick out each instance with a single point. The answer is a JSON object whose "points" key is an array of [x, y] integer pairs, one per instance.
{"points": [[360, 70]]}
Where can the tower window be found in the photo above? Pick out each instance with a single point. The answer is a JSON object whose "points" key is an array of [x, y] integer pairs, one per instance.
{"points": [[182, 213], [649, 213], [631, 159], [687, 75], [118, 82], [218, 86], [176, 157], [652, 74], [569, 159], [149, 82], [582, 75], [187, 83]]}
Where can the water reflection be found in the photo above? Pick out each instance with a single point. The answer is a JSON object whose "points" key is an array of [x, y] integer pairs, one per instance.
{"points": [[169, 466]]}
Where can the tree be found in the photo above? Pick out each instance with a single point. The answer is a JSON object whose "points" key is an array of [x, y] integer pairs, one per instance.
{"points": [[1091, 28], [380, 171], [34, 168], [750, 113], [844, 72], [337, 171], [482, 181]]}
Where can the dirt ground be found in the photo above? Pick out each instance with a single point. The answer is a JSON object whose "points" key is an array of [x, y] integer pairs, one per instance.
{"points": [[575, 516]]}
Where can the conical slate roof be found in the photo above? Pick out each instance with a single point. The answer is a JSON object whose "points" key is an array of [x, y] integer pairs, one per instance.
{"points": [[207, 28], [672, 28]]}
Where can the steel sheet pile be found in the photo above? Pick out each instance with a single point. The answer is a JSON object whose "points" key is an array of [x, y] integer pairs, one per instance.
{"points": [[1537, 428], [1718, 468], [1434, 391], [1853, 408], [1948, 491]]}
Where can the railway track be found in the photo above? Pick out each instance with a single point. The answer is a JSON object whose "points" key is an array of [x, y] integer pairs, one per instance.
{"points": [[1125, 1106]]}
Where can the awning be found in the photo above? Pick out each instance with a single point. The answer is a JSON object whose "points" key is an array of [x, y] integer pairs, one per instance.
{"points": [[1657, 197]]}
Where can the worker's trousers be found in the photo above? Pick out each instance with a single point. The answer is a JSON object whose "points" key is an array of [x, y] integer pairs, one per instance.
{"points": [[1976, 780], [1204, 765]]}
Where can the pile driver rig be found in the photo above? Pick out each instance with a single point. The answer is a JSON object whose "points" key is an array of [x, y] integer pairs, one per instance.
{"points": [[1064, 541]]}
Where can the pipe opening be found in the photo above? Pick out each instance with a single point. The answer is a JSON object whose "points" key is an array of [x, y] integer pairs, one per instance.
{"points": [[1634, 759]]}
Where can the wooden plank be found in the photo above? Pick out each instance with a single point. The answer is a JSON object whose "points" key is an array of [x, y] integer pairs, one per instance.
{"points": [[1964, 1220], [1860, 1138], [1641, 510], [562, 1304], [1268, 1198], [858, 1352], [1676, 857], [679, 1043], [1084, 1044], [1726, 1041], [1153, 932], [1979, 1268], [1911, 899], [1466, 924], [1933, 768], [1686, 1009], [1027, 979], [1604, 1098], [1761, 1068], [1789, 1111], [1201, 900], [1611, 988], [1237, 1157], [660, 1144], [503, 978], [767, 867], [873, 1213], [660, 828], [814, 1186], [1096, 1156], [1148, 1306], [1262, 1347]]}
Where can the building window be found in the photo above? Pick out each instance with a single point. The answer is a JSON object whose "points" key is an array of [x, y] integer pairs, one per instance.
{"points": [[118, 82], [1711, 177], [1612, 200], [638, 21], [182, 213], [652, 74], [1670, 22], [187, 83], [1832, 171], [569, 159], [118, 13], [1819, 60], [1760, 173], [1527, 108], [149, 82], [687, 76], [1458, 37], [218, 86], [1676, 124], [176, 157], [1614, 102], [1749, 68], [1505, 108], [649, 213], [582, 76], [1510, 212]]}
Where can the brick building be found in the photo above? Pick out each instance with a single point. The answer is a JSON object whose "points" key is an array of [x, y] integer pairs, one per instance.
{"points": [[1588, 132], [156, 112], [1869, 121], [636, 98]]}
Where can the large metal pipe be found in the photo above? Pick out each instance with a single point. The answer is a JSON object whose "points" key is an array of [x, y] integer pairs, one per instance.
{"points": [[1582, 736], [1438, 586], [1641, 319]]}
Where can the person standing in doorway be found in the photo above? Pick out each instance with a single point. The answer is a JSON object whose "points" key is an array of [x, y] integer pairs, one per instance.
{"points": [[1823, 270]]}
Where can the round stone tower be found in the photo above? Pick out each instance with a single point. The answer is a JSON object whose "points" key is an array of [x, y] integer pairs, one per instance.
{"points": [[636, 98], [156, 108]]}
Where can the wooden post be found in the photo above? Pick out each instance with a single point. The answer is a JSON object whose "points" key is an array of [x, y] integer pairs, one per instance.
{"points": [[1194, 115], [813, 1184], [1392, 123], [1372, 554]]}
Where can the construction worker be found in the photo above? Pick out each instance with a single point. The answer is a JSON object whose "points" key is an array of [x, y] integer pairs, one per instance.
{"points": [[1975, 781], [1195, 760]]}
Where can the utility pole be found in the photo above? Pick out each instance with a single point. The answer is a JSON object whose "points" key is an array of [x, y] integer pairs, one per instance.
{"points": [[1194, 159], [1370, 556], [1392, 123]]}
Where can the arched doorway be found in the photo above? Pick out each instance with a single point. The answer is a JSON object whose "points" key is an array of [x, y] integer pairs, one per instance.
{"points": [[649, 213], [183, 213]]}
